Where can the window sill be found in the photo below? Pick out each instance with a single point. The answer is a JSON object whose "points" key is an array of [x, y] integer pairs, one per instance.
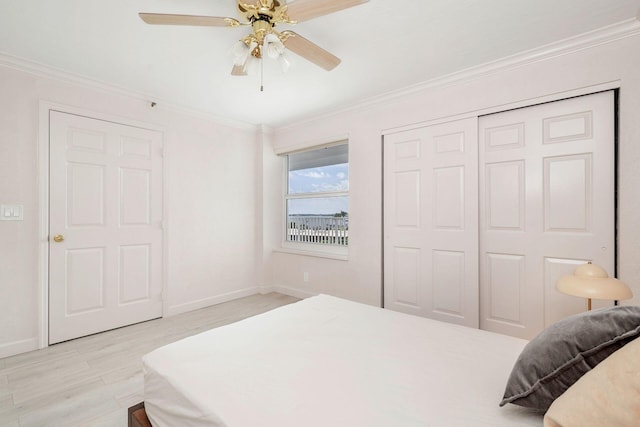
{"points": [[331, 252]]}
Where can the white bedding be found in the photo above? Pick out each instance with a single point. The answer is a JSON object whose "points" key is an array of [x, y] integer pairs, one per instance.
{"points": [[326, 362]]}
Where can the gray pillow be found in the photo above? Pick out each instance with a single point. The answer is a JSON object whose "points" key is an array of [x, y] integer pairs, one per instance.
{"points": [[565, 351]]}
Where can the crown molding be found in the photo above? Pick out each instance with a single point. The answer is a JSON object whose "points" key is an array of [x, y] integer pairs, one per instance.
{"points": [[49, 72], [601, 36], [609, 34]]}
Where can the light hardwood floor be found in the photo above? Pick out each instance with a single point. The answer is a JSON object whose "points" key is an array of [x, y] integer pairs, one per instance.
{"points": [[91, 381]]}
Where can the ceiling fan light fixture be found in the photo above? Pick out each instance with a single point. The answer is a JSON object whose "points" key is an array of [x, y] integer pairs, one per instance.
{"points": [[240, 52], [284, 63], [273, 46]]}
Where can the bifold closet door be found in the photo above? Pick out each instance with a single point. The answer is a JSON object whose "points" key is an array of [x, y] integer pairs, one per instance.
{"points": [[431, 222], [547, 201]]}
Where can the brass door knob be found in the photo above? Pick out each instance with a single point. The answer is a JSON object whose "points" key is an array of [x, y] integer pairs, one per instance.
{"points": [[58, 238]]}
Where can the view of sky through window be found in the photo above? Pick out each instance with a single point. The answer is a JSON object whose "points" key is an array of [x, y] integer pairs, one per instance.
{"points": [[331, 178]]}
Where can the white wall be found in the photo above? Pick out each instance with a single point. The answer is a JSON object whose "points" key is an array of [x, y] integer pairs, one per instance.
{"points": [[270, 200], [224, 182], [210, 188], [360, 277]]}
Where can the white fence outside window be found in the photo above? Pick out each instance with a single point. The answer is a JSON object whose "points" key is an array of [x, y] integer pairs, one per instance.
{"points": [[321, 229]]}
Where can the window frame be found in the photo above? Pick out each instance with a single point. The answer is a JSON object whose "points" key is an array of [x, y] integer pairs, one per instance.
{"points": [[339, 252]]}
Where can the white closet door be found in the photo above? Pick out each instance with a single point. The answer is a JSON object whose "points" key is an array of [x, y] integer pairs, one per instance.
{"points": [[431, 222], [546, 206], [106, 203]]}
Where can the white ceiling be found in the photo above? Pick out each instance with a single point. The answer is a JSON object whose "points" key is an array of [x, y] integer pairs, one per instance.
{"points": [[384, 46]]}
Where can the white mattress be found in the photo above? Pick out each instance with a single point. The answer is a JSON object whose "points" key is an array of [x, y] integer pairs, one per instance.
{"points": [[325, 362]]}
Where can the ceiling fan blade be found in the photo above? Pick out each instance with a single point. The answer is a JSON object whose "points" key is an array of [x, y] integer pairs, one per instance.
{"points": [[303, 10], [310, 51], [196, 20]]}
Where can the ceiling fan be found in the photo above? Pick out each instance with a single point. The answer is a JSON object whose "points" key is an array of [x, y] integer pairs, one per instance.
{"points": [[263, 16]]}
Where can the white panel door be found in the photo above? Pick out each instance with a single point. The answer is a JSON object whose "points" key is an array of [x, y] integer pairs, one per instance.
{"points": [[106, 205], [546, 206], [431, 222]]}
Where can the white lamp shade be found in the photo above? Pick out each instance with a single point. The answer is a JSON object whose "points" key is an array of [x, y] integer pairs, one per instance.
{"points": [[240, 52], [273, 46], [284, 63], [592, 281]]}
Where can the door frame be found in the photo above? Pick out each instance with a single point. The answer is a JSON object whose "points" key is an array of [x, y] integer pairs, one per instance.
{"points": [[43, 148]]}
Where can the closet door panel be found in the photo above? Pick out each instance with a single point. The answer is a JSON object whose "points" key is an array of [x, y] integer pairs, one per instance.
{"points": [[448, 202], [567, 183], [406, 277], [448, 280], [544, 172], [407, 199], [505, 196], [505, 279], [430, 218]]}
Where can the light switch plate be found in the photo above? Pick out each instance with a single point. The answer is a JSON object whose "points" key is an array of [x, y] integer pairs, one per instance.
{"points": [[11, 212]]}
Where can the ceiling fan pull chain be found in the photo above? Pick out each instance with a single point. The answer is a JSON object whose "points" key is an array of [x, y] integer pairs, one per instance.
{"points": [[261, 74]]}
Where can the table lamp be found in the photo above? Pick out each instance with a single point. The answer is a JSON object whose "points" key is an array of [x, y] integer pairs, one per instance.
{"points": [[591, 281]]}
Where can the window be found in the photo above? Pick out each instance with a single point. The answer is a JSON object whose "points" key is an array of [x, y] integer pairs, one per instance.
{"points": [[317, 197]]}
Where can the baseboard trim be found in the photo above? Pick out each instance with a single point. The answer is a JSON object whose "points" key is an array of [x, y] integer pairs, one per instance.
{"points": [[206, 302], [17, 347], [292, 292], [230, 296]]}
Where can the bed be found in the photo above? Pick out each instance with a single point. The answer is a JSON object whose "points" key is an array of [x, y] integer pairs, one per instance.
{"points": [[326, 361]]}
